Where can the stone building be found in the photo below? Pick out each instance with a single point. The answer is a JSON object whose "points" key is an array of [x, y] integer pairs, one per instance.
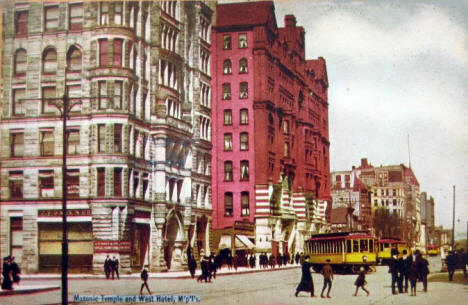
{"points": [[138, 135], [270, 132]]}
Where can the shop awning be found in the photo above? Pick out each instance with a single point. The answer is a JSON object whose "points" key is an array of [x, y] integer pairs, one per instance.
{"points": [[224, 242], [243, 242]]}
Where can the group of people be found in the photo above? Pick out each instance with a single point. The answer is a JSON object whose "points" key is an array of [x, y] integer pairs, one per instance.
{"points": [[456, 260], [10, 272], [271, 261], [408, 269], [307, 284], [111, 267]]}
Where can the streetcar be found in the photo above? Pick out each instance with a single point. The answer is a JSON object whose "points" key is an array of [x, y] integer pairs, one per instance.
{"points": [[432, 250], [385, 247], [347, 251]]}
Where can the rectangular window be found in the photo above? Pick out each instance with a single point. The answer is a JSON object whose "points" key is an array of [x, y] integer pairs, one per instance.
{"points": [[21, 23], [118, 138], [244, 141], [101, 138], [286, 149], [226, 91], [227, 204], [104, 12], [18, 96], [46, 183], [228, 117], [118, 182], [47, 142], [228, 171], [227, 141], [76, 17], [242, 41], [73, 183], [118, 13], [51, 18], [101, 181], [49, 96], [16, 238], [245, 203], [17, 144], [118, 95], [145, 184], [244, 117], [244, 170], [243, 90], [226, 42], [103, 57], [15, 184], [136, 182], [102, 94], [118, 43]]}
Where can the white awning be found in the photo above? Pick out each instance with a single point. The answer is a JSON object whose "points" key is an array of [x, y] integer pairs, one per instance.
{"points": [[243, 242], [224, 242]]}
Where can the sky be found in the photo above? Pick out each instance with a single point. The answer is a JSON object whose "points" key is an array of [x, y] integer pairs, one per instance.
{"points": [[397, 70]]}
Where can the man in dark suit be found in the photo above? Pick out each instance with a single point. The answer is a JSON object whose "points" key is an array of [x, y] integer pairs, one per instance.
{"points": [[115, 267], [393, 269], [406, 262], [107, 266]]}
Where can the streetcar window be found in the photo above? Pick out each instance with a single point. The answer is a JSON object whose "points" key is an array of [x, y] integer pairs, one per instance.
{"points": [[348, 246], [363, 245], [371, 245], [355, 246]]}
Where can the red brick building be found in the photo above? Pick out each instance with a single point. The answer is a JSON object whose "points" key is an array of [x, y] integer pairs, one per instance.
{"points": [[270, 156]]}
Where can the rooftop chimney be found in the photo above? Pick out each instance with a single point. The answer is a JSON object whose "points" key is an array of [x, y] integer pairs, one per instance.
{"points": [[364, 163], [290, 21]]}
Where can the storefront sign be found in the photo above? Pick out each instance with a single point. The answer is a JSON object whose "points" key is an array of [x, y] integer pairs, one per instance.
{"points": [[58, 213], [112, 246]]}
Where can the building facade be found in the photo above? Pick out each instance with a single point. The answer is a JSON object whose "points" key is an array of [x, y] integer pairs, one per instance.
{"points": [[270, 158], [137, 74], [427, 220]]}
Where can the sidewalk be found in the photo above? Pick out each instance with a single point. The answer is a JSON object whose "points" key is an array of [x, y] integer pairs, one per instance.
{"points": [[23, 289]]}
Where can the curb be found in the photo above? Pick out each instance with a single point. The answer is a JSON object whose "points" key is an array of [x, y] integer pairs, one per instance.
{"points": [[27, 289]]}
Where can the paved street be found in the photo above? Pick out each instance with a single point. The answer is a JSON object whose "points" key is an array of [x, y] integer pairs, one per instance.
{"points": [[275, 287]]}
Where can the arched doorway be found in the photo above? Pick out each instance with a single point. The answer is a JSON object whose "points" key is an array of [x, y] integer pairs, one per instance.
{"points": [[173, 243]]}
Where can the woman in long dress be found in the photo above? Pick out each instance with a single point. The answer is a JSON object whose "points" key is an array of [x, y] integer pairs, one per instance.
{"points": [[7, 283], [307, 283]]}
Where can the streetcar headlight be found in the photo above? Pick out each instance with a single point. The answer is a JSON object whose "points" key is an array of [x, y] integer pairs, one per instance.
{"points": [[364, 258]]}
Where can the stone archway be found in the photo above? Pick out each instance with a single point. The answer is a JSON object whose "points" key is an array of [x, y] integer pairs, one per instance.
{"points": [[174, 242]]}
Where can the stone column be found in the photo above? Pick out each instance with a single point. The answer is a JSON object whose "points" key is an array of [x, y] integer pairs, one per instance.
{"points": [[157, 262]]}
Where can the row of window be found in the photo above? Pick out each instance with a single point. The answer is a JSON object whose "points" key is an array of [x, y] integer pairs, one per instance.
{"points": [[243, 117], [243, 91], [227, 66], [243, 139], [244, 204], [243, 173], [242, 41], [338, 246]]}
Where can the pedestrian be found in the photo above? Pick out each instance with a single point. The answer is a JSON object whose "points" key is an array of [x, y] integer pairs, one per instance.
{"points": [[205, 269], [407, 260], [252, 261], [287, 259], [451, 264], [361, 281], [327, 273], [235, 261], [393, 269], [229, 261], [144, 278], [413, 277], [15, 271], [461, 261], [279, 260], [212, 267], [423, 269], [192, 264], [297, 258], [107, 266], [115, 267], [271, 261], [306, 283], [7, 283]]}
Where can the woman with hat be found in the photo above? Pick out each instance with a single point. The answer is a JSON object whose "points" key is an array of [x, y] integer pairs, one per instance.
{"points": [[7, 284], [307, 283]]}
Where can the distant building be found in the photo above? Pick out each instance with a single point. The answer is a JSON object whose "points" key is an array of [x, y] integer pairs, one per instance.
{"points": [[270, 158], [139, 142], [428, 219]]}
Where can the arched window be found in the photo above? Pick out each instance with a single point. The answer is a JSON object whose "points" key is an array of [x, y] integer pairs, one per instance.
{"points": [[244, 141], [21, 58], [243, 65], [244, 116], [226, 91], [74, 59], [49, 61], [227, 66]]}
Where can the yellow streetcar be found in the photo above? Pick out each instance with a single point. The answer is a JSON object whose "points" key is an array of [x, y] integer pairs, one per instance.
{"points": [[385, 246], [432, 250], [347, 251]]}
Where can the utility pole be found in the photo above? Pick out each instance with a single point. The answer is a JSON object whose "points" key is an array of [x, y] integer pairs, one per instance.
{"points": [[453, 220], [64, 202]]}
